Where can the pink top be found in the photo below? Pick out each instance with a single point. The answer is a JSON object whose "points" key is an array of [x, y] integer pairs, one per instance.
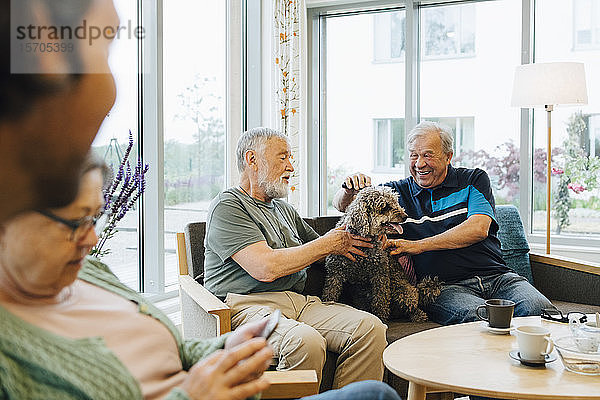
{"points": [[144, 345]]}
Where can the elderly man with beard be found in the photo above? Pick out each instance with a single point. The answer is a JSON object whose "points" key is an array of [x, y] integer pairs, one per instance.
{"points": [[257, 249]]}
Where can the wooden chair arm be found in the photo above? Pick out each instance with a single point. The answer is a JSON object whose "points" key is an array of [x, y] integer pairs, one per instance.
{"points": [[207, 301], [291, 384], [181, 254]]}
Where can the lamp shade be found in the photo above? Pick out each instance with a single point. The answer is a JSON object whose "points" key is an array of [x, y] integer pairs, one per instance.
{"points": [[549, 84]]}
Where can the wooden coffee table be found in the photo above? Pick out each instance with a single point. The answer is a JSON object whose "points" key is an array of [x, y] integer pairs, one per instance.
{"points": [[467, 359]]}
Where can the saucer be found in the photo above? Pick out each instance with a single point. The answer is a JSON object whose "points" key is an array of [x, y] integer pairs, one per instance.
{"points": [[532, 363], [498, 331]]}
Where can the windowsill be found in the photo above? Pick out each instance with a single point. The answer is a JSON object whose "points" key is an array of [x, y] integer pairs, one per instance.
{"points": [[566, 262]]}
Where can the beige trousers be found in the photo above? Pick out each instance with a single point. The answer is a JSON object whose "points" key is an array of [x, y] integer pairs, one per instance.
{"points": [[309, 327]]}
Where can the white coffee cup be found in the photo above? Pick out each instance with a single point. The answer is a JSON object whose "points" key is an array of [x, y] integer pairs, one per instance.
{"points": [[534, 342]]}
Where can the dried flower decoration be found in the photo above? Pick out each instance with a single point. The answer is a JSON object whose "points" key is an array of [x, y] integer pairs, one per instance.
{"points": [[120, 196]]}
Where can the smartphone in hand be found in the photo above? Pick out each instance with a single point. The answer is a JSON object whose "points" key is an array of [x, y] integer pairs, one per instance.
{"points": [[271, 324]]}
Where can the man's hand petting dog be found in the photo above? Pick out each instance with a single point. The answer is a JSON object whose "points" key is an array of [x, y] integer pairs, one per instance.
{"points": [[402, 246], [345, 244], [353, 183]]}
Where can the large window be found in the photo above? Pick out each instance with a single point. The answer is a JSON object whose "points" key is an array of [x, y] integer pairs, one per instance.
{"points": [[464, 84], [456, 66], [194, 118], [477, 87], [191, 155], [575, 208], [112, 140], [363, 131]]}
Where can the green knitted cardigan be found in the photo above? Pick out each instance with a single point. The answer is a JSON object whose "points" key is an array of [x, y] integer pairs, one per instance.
{"points": [[37, 364]]}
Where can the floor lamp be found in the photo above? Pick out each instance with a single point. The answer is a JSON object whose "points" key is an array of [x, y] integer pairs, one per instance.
{"points": [[547, 85]]}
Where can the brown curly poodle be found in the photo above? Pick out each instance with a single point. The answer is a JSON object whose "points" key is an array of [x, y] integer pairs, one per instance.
{"points": [[377, 283]]}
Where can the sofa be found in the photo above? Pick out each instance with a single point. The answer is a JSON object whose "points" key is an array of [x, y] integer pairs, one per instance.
{"points": [[571, 285]]}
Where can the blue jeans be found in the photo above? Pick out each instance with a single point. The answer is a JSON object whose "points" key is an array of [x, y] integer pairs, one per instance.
{"points": [[458, 301], [364, 390]]}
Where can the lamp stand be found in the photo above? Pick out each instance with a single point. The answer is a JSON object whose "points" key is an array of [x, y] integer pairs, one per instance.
{"points": [[549, 109]]}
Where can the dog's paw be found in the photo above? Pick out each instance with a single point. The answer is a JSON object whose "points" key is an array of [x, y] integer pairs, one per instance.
{"points": [[429, 289]]}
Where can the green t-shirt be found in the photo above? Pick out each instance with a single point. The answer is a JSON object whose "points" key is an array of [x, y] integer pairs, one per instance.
{"points": [[235, 221]]}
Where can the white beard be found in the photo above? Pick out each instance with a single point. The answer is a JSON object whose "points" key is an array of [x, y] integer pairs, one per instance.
{"points": [[274, 190]]}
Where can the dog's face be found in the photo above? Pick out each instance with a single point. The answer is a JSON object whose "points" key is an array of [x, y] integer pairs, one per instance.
{"points": [[375, 211]]}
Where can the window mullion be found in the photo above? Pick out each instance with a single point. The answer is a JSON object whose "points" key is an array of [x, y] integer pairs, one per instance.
{"points": [[412, 65], [526, 126], [151, 140]]}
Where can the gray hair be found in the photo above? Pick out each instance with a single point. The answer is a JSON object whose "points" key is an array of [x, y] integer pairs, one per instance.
{"points": [[254, 139], [426, 127], [93, 161]]}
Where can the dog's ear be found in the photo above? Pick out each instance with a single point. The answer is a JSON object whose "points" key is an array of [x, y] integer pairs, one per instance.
{"points": [[358, 217]]}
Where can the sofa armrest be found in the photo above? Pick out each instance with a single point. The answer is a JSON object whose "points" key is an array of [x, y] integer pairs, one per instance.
{"points": [[203, 314], [566, 279]]}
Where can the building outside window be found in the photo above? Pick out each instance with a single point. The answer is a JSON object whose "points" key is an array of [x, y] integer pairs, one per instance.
{"points": [[362, 128], [390, 148], [389, 40], [472, 94], [586, 24], [389, 144], [448, 32], [464, 84]]}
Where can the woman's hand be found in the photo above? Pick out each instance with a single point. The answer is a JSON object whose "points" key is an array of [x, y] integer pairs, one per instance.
{"points": [[230, 374], [245, 332]]}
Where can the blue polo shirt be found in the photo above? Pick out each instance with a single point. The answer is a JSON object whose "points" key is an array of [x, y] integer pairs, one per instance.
{"points": [[463, 193]]}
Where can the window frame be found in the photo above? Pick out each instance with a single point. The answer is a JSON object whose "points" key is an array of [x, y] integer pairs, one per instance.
{"points": [[316, 18], [151, 126]]}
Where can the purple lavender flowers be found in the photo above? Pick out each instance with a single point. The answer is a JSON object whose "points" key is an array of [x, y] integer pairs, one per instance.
{"points": [[120, 196]]}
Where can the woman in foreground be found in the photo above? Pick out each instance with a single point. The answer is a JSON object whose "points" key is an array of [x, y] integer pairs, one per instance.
{"points": [[72, 330]]}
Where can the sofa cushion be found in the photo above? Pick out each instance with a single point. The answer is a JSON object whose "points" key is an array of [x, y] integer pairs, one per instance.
{"points": [[566, 307], [398, 329], [194, 243], [515, 249]]}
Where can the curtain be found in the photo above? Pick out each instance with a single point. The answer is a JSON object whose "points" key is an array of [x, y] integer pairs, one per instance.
{"points": [[289, 86]]}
